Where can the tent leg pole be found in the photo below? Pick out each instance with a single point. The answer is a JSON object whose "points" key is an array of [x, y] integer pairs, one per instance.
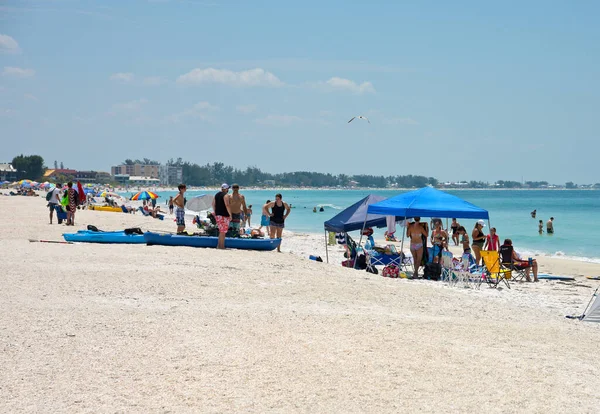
{"points": [[326, 249]]}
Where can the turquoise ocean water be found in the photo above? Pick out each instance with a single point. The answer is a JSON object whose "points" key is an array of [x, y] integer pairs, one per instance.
{"points": [[577, 228]]}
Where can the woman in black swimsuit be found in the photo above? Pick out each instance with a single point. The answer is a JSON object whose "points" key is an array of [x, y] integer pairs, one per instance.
{"points": [[454, 226], [279, 212], [478, 240]]}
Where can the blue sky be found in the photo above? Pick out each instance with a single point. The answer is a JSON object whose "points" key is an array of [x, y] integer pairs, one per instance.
{"points": [[454, 90]]}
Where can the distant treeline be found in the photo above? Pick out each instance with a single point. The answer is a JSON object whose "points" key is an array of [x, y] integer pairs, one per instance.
{"points": [[217, 173]]}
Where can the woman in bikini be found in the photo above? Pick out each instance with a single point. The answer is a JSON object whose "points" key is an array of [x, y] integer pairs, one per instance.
{"points": [[454, 226], [439, 238], [464, 240], [416, 232]]}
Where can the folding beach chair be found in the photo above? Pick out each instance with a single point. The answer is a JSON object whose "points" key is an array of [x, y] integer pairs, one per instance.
{"points": [[494, 273], [447, 267], [519, 272]]}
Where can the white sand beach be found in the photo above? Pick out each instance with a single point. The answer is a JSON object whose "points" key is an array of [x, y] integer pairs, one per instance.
{"points": [[135, 328]]}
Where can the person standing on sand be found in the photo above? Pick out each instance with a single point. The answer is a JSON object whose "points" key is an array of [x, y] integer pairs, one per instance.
{"points": [[492, 240], [478, 238], [279, 212], [54, 200], [237, 207], [222, 213], [550, 226], [264, 218], [72, 206], [248, 216], [171, 205], [454, 226], [416, 232], [180, 209]]}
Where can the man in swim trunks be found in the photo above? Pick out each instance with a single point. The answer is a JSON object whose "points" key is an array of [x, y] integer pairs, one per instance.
{"points": [[55, 200], [550, 226], [237, 207], [416, 232], [180, 210], [265, 219], [222, 213]]}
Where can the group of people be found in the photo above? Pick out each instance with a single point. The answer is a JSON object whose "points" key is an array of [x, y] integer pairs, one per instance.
{"points": [[71, 201], [549, 224], [418, 234], [231, 211]]}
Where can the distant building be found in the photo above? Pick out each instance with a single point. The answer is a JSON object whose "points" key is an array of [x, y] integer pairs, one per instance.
{"points": [[170, 175], [63, 172], [81, 176], [137, 180], [137, 170], [121, 178], [7, 172]]}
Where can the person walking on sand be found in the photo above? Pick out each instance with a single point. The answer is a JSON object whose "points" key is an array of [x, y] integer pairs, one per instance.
{"points": [[54, 200], [279, 212], [237, 207], [264, 218], [415, 232], [550, 226], [180, 208], [222, 213], [72, 206]]}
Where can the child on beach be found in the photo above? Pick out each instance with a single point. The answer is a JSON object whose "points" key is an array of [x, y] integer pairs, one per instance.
{"points": [[180, 210], [171, 205], [492, 240]]}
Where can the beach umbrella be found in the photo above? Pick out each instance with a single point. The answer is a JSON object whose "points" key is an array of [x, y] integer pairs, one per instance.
{"points": [[145, 195], [200, 203]]}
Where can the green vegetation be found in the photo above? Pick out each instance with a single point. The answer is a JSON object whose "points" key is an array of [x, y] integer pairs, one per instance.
{"points": [[29, 166]]}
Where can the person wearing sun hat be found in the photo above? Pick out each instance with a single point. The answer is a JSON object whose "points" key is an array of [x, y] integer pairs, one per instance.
{"points": [[478, 240], [222, 213]]}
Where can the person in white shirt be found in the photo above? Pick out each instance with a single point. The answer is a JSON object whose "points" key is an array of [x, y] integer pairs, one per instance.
{"points": [[54, 200]]}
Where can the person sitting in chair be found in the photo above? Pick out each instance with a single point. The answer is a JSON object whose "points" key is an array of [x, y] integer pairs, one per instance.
{"points": [[511, 259]]}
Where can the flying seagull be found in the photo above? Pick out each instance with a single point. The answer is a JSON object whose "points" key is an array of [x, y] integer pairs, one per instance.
{"points": [[359, 117]]}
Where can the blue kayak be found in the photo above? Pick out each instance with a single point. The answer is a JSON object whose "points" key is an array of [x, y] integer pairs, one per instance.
{"points": [[206, 241], [86, 236]]}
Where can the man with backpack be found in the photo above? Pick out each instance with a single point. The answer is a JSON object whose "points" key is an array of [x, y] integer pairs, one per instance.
{"points": [[53, 197]]}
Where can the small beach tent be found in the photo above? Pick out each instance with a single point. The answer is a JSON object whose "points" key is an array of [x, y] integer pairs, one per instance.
{"points": [[592, 312], [353, 218], [428, 202], [356, 217]]}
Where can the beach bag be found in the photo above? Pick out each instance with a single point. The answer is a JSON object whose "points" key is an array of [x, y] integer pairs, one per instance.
{"points": [[49, 195], [372, 269], [432, 271], [133, 230], [391, 270]]}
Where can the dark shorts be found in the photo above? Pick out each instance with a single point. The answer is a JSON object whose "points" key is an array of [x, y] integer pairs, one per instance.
{"points": [[236, 217], [51, 206], [478, 244], [278, 225], [549, 231]]}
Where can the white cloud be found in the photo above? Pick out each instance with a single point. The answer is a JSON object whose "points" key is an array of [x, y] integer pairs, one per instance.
{"points": [[153, 81], [8, 44], [252, 77], [342, 84], [124, 77], [202, 110], [18, 72], [246, 109], [278, 120], [134, 105], [31, 97], [325, 113]]}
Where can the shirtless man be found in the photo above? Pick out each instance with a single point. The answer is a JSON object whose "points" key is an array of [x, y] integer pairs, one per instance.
{"points": [[415, 232], [550, 226], [237, 206], [180, 210]]}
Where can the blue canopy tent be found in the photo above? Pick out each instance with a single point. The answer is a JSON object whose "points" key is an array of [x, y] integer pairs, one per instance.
{"points": [[428, 202], [356, 217]]}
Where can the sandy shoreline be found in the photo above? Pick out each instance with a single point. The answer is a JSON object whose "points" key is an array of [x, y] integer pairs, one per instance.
{"points": [[94, 328]]}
